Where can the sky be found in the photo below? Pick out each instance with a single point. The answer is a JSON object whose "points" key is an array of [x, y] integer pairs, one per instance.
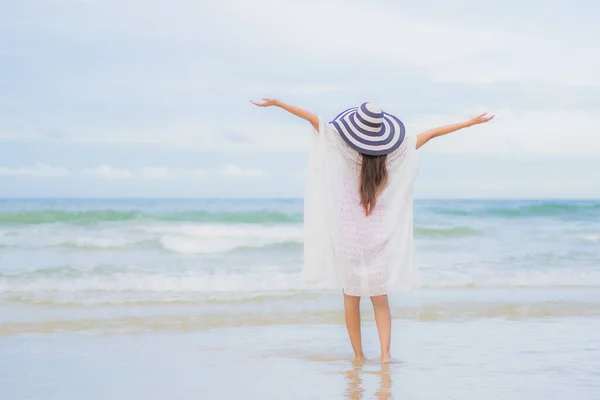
{"points": [[107, 98]]}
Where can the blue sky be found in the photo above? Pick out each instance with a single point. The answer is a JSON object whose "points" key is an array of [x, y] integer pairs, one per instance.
{"points": [[150, 98]]}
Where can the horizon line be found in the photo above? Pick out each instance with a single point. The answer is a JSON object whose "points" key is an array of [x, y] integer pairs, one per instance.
{"points": [[547, 198]]}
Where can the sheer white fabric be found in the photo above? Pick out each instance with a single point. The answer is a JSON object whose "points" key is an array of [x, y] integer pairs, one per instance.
{"points": [[364, 255]]}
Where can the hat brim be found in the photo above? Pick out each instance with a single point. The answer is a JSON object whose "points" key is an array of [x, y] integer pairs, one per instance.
{"points": [[364, 138]]}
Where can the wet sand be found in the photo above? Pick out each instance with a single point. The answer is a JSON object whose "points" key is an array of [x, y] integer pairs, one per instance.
{"points": [[545, 358]]}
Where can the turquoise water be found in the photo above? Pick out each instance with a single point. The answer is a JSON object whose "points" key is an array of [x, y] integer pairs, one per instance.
{"points": [[78, 253], [218, 281]]}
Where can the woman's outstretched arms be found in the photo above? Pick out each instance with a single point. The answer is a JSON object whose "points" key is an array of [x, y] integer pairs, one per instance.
{"points": [[426, 136], [297, 111]]}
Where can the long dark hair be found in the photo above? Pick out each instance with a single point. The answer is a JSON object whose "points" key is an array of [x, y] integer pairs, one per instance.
{"points": [[373, 179]]}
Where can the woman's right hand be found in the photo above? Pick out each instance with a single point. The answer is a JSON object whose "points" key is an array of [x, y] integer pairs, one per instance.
{"points": [[480, 119], [426, 136]]}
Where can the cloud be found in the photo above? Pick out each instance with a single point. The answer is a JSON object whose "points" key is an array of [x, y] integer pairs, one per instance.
{"points": [[232, 137], [160, 172], [233, 170], [147, 173], [107, 172], [313, 89], [447, 47], [435, 56], [236, 137], [38, 170], [526, 131]]}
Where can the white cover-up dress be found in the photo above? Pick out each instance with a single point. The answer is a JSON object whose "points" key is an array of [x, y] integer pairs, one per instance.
{"points": [[364, 255]]}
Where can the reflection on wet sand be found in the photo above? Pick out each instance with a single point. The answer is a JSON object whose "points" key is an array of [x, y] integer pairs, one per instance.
{"points": [[354, 381], [354, 389]]}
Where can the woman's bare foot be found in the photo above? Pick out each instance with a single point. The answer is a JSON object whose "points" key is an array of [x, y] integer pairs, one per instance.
{"points": [[386, 358], [359, 358]]}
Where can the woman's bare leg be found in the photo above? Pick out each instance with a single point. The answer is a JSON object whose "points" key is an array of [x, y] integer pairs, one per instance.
{"points": [[383, 318], [352, 314]]}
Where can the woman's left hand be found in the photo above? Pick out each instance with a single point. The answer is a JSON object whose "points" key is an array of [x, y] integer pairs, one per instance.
{"points": [[264, 103]]}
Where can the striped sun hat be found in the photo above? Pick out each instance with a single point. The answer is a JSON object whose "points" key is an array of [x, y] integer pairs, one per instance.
{"points": [[369, 130]]}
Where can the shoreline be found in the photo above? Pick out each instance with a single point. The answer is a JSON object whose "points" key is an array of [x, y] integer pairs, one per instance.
{"points": [[491, 359]]}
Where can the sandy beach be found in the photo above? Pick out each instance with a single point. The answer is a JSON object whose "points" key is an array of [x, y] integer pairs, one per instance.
{"points": [[491, 359]]}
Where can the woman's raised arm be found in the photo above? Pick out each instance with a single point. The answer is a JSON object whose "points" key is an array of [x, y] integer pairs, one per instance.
{"points": [[297, 111], [426, 136]]}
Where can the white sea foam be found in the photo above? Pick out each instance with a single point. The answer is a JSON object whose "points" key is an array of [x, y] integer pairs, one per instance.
{"points": [[591, 238], [189, 238], [233, 231], [269, 280], [516, 278], [51, 236], [100, 242], [132, 282], [198, 239]]}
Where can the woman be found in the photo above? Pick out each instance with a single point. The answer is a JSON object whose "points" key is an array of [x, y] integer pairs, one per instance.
{"points": [[358, 209]]}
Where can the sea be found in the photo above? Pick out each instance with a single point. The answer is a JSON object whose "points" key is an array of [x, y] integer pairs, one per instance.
{"points": [[202, 298]]}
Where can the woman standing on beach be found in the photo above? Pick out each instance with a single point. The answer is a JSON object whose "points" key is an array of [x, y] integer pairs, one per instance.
{"points": [[358, 208]]}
